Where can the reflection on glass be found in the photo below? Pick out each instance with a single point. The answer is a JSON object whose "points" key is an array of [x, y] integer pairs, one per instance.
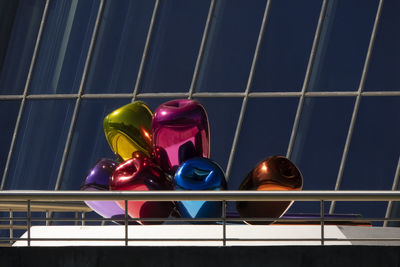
{"points": [[88, 143], [343, 45], [266, 130], [384, 69], [374, 152], [8, 116], [230, 45], [119, 46], [40, 144], [63, 47], [222, 126], [319, 144], [21, 21], [175, 45], [286, 45]]}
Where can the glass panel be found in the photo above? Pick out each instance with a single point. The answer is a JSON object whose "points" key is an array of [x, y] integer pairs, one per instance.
{"points": [[88, 143], [286, 45], [384, 69], [175, 45], [319, 144], [19, 42], [230, 47], [343, 45], [40, 144], [222, 127], [8, 116], [119, 46], [64, 45], [374, 152], [265, 132]]}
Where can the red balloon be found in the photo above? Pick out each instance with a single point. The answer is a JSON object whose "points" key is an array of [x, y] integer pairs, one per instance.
{"points": [[141, 174]]}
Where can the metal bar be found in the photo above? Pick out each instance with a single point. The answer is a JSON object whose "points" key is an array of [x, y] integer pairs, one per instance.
{"points": [[28, 222], [322, 222], [47, 218], [205, 95], [224, 223], [11, 234], [201, 50], [394, 187], [27, 84], [145, 50], [40, 206], [228, 195], [83, 218], [248, 86], [357, 104], [260, 219], [126, 222], [78, 100], [306, 79]]}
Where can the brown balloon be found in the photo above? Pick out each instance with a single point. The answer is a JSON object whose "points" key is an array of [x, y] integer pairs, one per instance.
{"points": [[271, 174]]}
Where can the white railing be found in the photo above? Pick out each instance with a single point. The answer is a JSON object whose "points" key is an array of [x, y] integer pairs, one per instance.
{"points": [[71, 201]]}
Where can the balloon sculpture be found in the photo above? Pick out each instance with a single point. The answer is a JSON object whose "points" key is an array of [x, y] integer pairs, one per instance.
{"points": [[170, 151]]}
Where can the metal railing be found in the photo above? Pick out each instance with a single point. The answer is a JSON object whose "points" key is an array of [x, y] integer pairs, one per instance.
{"points": [[71, 201]]}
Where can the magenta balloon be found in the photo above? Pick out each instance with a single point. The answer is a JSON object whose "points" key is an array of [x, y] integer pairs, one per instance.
{"points": [[180, 132]]}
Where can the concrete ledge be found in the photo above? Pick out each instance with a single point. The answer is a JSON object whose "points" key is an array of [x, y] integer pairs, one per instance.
{"points": [[203, 256]]}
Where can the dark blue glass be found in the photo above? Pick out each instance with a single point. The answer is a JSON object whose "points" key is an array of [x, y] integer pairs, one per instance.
{"points": [[384, 69], [319, 144], [88, 142], [175, 45], [40, 144], [230, 46], [266, 130], [373, 154], [64, 46], [119, 46], [199, 174], [8, 115], [222, 126], [343, 45], [20, 42], [286, 45]]}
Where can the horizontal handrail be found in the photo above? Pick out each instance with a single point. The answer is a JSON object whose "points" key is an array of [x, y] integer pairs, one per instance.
{"points": [[159, 195]]}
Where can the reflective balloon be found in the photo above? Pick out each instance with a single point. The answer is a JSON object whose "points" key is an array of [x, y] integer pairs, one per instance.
{"points": [[98, 180], [273, 173], [141, 174], [180, 132], [128, 129], [199, 174]]}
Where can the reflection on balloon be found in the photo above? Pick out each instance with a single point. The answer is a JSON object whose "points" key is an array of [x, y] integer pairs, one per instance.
{"points": [[273, 173], [141, 174], [98, 180], [128, 129], [180, 132], [199, 174]]}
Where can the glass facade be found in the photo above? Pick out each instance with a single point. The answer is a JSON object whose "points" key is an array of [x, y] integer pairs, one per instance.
{"points": [[317, 81]]}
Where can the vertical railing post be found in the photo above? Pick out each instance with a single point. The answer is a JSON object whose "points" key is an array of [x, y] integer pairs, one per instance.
{"points": [[224, 223], [11, 227], [322, 223], [47, 218], [28, 222], [126, 222], [83, 218]]}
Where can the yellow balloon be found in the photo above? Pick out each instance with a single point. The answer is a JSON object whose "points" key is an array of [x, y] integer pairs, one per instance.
{"points": [[128, 129]]}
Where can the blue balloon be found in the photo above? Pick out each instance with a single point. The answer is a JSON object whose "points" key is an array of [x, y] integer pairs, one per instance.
{"points": [[199, 174]]}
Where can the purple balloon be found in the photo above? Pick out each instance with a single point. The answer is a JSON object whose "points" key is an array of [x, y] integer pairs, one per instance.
{"points": [[98, 180], [180, 132]]}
